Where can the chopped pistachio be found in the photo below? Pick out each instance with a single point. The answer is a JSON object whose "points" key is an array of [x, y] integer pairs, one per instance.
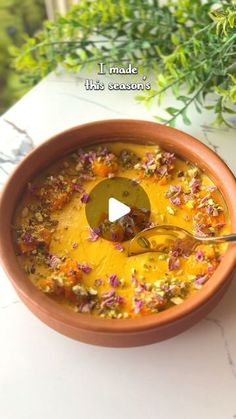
{"points": [[170, 210], [92, 291], [177, 300], [39, 217], [194, 172], [190, 204], [79, 290], [122, 282], [210, 202], [78, 167]]}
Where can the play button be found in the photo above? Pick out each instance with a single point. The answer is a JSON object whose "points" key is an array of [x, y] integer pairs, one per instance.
{"points": [[117, 209]]}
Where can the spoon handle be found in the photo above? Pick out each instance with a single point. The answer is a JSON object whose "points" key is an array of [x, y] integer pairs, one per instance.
{"points": [[220, 239]]}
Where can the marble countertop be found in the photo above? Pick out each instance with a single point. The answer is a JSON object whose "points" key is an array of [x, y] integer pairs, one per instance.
{"points": [[46, 375]]}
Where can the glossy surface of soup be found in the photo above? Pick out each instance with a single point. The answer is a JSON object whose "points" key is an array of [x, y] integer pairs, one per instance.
{"points": [[74, 265]]}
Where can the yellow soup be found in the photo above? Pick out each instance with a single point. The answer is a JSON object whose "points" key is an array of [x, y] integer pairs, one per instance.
{"points": [[74, 265]]}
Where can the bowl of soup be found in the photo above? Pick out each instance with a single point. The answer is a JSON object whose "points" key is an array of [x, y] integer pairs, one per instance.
{"points": [[69, 261]]}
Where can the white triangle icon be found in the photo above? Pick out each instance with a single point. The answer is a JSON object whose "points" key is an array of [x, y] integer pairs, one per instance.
{"points": [[116, 209]]}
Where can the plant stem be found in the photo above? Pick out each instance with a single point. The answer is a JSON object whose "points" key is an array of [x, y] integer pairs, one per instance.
{"points": [[191, 100]]}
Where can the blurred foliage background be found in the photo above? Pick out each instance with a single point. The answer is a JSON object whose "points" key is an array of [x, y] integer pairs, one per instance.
{"points": [[17, 18]]}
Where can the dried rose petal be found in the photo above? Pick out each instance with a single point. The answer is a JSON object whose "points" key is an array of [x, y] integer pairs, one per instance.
{"points": [[113, 280], [78, 187], [201, 279], [27, 238], [94, 234], [175, 200], [195, 185], [84, 267], [199, 255], [108, 294], [119, 247], [54, 261], [173, 263], [138, 304], [85, 198]]}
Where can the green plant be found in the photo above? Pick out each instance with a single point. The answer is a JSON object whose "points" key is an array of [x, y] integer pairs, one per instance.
{"points": [[188, 44], [16, 18]]}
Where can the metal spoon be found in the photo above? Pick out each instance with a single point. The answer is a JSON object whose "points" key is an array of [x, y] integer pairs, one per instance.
{"points": [[164, 238]]}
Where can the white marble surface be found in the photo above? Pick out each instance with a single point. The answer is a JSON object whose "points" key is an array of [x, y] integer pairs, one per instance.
{"points": [[46, 375]]}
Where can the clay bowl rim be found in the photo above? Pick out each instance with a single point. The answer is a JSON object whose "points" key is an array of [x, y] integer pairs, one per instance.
{"points": [[171, 137]]}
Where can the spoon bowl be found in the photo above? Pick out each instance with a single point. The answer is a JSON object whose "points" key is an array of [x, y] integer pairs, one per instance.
{"points": [[166, 238]]}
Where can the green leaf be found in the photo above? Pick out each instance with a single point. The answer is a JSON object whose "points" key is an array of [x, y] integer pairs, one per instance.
{"points": [[184, 99], [183, 43], [160, 119], [172, 111], [198, 108], [185, 118]]}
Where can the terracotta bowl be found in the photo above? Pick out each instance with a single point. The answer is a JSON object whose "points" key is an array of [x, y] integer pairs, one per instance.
{"points": [[124, 332]]}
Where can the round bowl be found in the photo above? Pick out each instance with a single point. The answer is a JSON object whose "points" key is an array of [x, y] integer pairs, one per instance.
{"points": [[123, 332]]}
